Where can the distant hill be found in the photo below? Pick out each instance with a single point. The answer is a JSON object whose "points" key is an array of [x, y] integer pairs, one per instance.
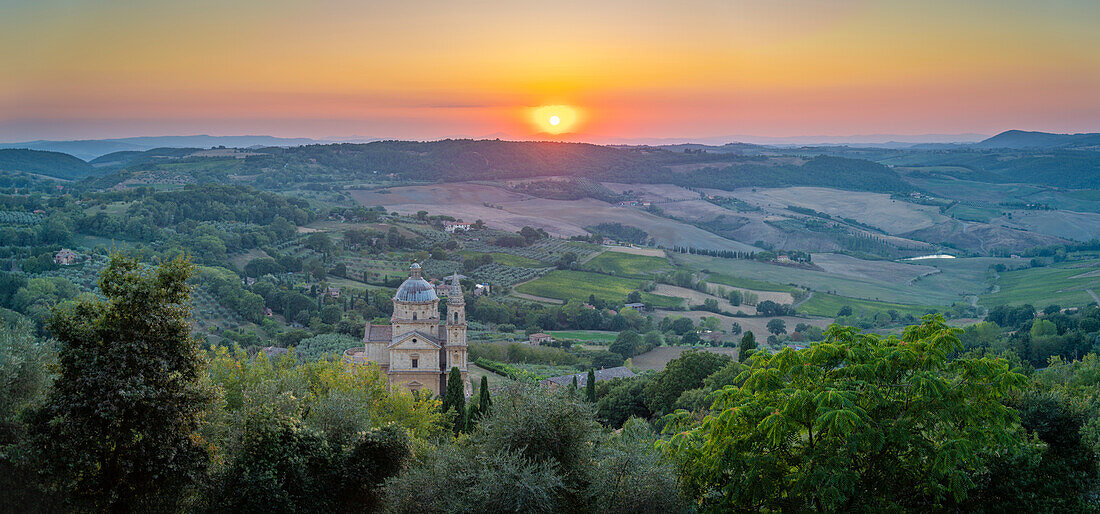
{"points": [[126, 158], [453, 160], [1020, 139], [53, 164], [93, 148]]}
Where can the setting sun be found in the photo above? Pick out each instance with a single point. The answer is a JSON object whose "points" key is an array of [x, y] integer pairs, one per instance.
{"points": [[554, 119]]}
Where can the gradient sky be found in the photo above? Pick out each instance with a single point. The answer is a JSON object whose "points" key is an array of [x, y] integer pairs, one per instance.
{"points": [[423, 69]]}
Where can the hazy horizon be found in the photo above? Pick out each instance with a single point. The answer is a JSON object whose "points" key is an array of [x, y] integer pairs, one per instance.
{"points": [[672, 140]]}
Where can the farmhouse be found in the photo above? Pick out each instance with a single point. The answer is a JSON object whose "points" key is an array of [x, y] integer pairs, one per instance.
{"points": [[65, 257], [640, 307], [582, 378], [539, 337], [417, 350], [453, 226]]}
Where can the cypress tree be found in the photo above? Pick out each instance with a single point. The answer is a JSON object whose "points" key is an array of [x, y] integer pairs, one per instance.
{"points": [[574, 383], [483, 400], [455, 398], [748, 344], [590, 387]]}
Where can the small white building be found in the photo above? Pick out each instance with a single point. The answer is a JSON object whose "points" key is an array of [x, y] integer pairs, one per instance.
{"points": [[454, 226]]}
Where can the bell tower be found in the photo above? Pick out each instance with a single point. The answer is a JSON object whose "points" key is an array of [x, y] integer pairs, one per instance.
{"points": [[456, 331]]}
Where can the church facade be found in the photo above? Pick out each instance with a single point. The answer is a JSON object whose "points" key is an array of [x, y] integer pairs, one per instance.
{"points": [[418, 349]]}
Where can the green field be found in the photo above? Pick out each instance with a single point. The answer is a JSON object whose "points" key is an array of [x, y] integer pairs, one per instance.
{"points": [[585, 335], [1062, 284], [972, 213], [825, 304], [508, 259], [579, 285], [628, 265]]}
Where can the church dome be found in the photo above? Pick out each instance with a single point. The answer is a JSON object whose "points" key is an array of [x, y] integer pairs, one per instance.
{"points": [[415, 288]]}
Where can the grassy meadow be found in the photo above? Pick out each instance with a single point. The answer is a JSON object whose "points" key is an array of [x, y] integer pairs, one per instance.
{"points": [[628, 265], [1066, 284]]}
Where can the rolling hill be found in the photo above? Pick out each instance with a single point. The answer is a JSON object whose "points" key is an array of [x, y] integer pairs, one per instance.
{"points": [[53, 164], [1020, 139]]}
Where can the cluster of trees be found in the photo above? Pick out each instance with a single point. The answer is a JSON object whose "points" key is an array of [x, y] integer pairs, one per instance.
{"points": [[235, 433], [573, 188], [828, 416], [1036, 340], [846, 425], [535, 317], [651, 396], [34, 297], [619, 232], [207, 222], [710, 252], [525, 237]]}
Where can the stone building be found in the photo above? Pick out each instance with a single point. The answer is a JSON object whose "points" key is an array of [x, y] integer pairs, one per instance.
{"points": [[65, 257], [417, 349]]}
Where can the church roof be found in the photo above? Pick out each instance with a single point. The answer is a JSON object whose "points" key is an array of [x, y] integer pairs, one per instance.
{"points": [[378, 333], [415, 288]]}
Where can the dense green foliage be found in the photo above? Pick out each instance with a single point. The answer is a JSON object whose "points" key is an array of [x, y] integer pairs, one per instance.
{"points": [[848, 425], [53, 164], [133, 358]]}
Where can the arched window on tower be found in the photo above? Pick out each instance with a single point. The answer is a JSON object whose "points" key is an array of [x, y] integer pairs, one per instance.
{"points": [[414, 316], [456, 317]]}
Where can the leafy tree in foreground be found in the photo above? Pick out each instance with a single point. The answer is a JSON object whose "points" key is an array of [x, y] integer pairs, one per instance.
{"points": [[463, 479], [633, 476], [119, 431], [24, 380], [858, 422], [681, 374]]}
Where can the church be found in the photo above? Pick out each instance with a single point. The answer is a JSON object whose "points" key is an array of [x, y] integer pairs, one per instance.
{"points": [[417, 349]]}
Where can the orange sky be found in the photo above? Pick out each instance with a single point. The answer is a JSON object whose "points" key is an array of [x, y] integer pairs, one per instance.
{"points": [[631, 69]]}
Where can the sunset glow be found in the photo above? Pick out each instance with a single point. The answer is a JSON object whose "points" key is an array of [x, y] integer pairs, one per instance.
{"points": [[425, 70], [554, 119]]}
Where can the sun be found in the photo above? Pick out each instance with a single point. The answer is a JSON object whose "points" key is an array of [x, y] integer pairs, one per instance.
{"points": [[554, 119]]}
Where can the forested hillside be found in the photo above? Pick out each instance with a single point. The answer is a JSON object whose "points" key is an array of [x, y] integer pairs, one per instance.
{"points": [[52, 164]]}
